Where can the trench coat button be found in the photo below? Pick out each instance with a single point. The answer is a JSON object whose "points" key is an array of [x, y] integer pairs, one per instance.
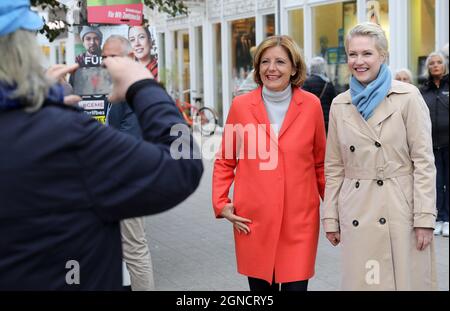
{"points": [[382, 221], [355, 223], [357, 184], [352, 148], [377, 144], [380, 182]]}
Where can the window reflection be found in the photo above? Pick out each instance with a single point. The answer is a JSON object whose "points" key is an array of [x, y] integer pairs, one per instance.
{"points": [[242, 42], [421, 35], [295, 18], [330, 25], [269, 25], [218, 100]]}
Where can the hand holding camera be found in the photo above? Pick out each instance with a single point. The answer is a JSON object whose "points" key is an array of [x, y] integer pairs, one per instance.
{"points": [[124, 72]]}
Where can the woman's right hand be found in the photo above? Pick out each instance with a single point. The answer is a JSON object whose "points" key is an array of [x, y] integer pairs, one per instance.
{"points": [[238, 222], [334, 237], [124, 72]]}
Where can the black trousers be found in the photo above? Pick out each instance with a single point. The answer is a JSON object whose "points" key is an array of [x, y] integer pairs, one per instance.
{"points": [[258, 285]]}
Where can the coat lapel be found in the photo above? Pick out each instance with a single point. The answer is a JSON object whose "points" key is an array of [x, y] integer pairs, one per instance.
{"points": [[259, 112], [386, 108], [353, 118], [293, 110], [381, 113]]}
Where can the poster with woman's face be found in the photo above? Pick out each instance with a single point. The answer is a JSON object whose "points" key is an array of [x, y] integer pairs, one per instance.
{"points": [[89, 43], [144, 47]]}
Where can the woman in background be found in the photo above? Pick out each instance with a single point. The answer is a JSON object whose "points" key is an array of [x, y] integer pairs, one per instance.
{"points": [[404, 75], [435, 93]]}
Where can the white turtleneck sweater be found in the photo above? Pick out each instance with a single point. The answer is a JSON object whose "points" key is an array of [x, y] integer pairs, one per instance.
{"points": [[277, 104]]}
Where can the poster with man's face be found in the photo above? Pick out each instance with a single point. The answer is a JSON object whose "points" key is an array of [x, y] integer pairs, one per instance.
{"points": [[93, 82]]}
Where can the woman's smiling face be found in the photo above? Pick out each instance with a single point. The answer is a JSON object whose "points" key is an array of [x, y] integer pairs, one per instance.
{"points": [[275, 69], [364, 59]]}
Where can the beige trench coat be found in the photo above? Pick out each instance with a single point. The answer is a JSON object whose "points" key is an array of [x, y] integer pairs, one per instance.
{"points": [[380, 184]]}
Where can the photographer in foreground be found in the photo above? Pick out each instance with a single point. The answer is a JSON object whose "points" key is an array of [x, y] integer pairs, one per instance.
{"points": [[65, 180]]}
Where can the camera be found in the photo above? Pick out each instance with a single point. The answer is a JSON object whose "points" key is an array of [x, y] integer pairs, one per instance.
{"points": [[92, 81]]}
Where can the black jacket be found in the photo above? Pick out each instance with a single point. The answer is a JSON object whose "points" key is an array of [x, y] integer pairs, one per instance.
{"points": [[66, 181], [437, 102], [315, 85], [121, 117]]}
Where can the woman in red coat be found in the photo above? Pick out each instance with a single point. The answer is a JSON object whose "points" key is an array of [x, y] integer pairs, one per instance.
{"points": [[273, 150]]}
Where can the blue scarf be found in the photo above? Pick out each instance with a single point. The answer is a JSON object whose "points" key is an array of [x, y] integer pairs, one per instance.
{"points": [[55, 95], [367, 98]]}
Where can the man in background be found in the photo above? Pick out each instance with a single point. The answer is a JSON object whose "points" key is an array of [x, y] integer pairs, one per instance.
{"points": [[136, 253]]}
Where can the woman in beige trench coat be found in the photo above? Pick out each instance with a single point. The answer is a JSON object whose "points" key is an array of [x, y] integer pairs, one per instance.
{"points": [[380, 175]]}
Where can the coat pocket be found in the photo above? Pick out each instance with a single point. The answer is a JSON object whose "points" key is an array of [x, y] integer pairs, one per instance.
{"points": [[405, 185], [345, 191]]}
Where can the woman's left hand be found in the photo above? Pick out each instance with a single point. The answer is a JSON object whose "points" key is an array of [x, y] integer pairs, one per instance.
{"points": [[424, 237], [58, 72]]}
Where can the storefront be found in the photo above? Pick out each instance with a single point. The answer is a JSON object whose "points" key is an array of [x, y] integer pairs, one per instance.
{"points": [[219, 36]]}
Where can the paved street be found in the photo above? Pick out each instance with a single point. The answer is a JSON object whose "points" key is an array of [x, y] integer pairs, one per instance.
{"points": [[192, 251]]}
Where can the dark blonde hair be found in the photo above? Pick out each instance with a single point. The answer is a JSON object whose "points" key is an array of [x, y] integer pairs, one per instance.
{"points": [[292, 50]]}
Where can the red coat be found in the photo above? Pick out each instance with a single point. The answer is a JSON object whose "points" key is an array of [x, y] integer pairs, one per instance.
{"points": [[283, 203]]}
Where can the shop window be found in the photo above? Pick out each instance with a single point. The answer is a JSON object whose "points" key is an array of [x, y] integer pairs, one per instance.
{"points": [[218, 98], [269, 25], [330, 25], [186, 73], [295, 26], [162, 76], [422, 22], [242, 42], [199, 57], [377, 11]]}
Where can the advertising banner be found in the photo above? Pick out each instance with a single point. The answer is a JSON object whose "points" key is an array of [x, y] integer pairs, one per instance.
{"points": [[115, 12], [91, 81]]}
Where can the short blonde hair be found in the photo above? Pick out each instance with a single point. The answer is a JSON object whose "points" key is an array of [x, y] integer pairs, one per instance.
{"points": [[293, 51], [371, 30]]}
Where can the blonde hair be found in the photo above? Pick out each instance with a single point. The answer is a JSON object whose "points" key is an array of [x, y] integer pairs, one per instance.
{"points": [[292, 50], [427, 63], [371, 30], [20, 67]]}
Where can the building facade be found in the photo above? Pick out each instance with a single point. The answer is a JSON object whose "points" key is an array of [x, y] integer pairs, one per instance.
{"points": [[207, 54]]}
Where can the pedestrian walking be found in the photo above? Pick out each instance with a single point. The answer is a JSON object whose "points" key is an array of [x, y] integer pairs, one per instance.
{"points": [[380, 174], [320, 85], [275, 205]]}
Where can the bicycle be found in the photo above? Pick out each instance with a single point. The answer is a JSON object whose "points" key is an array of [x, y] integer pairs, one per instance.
{"points": [[205, 116]]}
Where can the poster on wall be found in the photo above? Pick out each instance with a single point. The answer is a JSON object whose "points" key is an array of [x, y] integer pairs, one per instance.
{"points": [[115, 12], [91, 81]]}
